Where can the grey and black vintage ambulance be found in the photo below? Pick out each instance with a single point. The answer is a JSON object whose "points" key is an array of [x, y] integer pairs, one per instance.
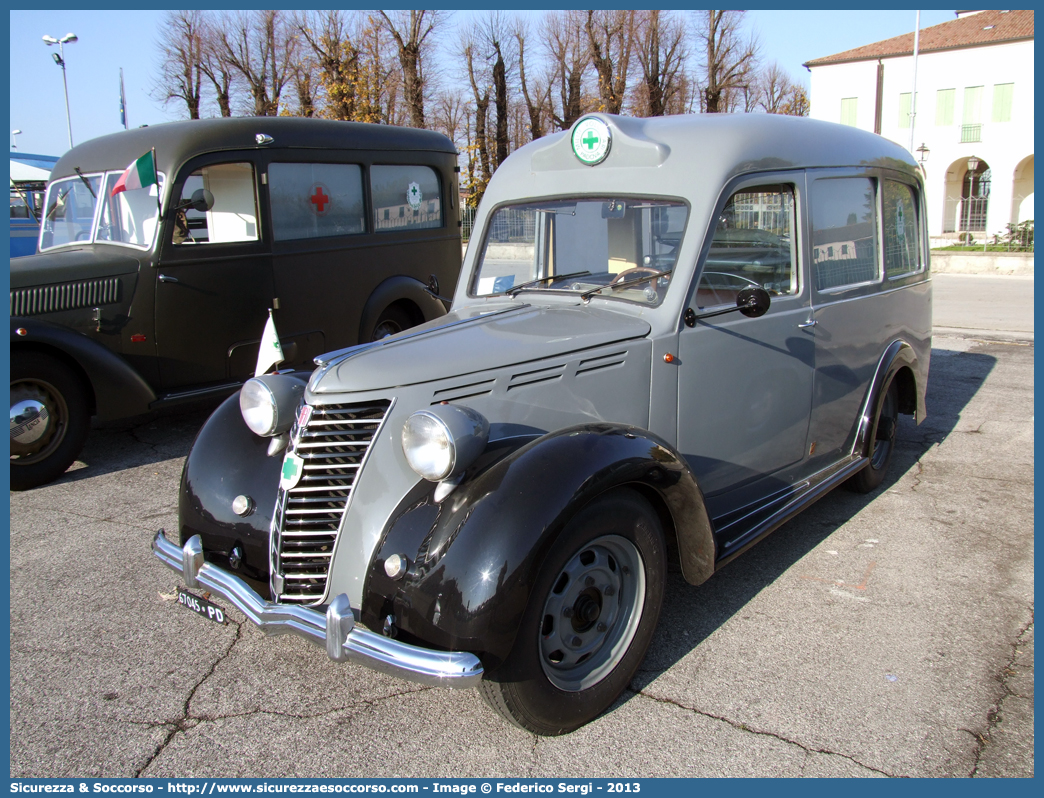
{"points": [[668, 338], [159, 293]]}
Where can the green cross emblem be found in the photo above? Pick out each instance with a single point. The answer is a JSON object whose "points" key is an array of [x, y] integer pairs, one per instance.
{"points": [[290, 469], [293, 467], [590, 140]]}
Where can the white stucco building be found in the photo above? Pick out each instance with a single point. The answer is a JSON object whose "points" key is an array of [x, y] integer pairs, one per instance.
{"points": [[974, 108]]}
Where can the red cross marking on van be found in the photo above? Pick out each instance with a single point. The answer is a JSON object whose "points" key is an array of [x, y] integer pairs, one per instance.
{"points": [[319, 199]]}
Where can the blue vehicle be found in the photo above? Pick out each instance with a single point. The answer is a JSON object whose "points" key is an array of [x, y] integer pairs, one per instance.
{"points": [[29, 175]]}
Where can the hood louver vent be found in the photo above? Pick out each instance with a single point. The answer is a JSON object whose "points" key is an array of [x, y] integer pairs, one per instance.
{"points": [[603, 362], [536, 376], [65, 296], [468, 391]]}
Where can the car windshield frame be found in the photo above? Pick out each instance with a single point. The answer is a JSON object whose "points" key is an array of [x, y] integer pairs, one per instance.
{"points": [[558, 245], [130, 229]]}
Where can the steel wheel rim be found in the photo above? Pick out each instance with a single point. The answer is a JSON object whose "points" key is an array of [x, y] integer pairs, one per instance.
{"points": [[45, 394], [384, 329], [886, 423], [592, 613]]}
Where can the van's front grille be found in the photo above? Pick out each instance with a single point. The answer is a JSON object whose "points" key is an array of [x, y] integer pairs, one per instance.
{"points": [[65, 296], [333, 445]]}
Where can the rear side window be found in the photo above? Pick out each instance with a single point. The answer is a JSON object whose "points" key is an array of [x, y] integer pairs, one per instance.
{"points": [[405, 198], [233, 216], [316, 200], [844, 232], [901, 243], [753, 244]]}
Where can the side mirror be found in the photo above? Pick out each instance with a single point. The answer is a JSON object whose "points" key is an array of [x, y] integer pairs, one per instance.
{"points": [[202, 200], [753, 301]]}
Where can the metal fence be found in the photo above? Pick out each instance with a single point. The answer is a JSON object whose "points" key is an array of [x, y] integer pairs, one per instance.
{"points": [[467, 222]]}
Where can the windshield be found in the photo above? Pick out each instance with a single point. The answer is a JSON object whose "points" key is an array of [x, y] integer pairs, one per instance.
{"points": [[623, 248], [81, 210]]}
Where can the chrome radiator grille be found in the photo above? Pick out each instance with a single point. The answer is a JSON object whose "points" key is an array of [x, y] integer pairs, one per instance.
{"points": [[333, 445]]}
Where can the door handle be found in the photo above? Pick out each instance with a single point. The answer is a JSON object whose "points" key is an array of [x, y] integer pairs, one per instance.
{"points": [[804, 325], [165, 279]]}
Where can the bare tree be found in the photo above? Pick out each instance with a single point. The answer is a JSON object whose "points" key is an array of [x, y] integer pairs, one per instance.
{"points": [[797, 102], [480, 88], [450, 115], [262, 49], [495, 33], [217, 68], [566, 43], [538, 101], [306, 83], [730, 59], [411, 31], [661, 52], [329, 35], [181, 37], [774, 87], [610, 35]]}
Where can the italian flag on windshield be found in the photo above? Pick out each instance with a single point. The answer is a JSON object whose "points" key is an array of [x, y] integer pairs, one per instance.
{"points": [[139, 174]]}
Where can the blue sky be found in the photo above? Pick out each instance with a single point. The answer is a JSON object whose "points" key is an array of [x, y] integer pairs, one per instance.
{"points": [[109, 40]]}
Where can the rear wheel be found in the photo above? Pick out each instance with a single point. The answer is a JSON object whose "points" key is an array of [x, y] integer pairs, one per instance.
{"points": [[392, 320], [589, 621], [49, 419], [882, 443]]}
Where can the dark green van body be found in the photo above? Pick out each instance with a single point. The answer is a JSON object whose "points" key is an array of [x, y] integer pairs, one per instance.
{"points": [[158, 321]]}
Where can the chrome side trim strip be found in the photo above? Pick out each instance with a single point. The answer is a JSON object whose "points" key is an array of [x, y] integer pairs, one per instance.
{"points": [[334, 630]]}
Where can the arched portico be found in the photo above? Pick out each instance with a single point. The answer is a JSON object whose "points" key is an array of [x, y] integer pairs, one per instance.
{"points": [[1022, 191]]}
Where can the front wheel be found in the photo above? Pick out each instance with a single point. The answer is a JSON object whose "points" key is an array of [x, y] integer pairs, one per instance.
{"points": [[589, 621], [49, 419]]}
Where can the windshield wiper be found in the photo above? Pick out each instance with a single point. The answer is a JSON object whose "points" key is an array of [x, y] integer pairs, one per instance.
{"points": [[86, 182], [626, 283], [516, 288]]}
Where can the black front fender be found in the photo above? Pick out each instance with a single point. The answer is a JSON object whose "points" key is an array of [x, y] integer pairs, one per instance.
{"points": [[118, 390], [474, 557], [228, 460]]}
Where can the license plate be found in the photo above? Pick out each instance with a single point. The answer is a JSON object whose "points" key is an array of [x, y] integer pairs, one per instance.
{"points": [[201, 606]]}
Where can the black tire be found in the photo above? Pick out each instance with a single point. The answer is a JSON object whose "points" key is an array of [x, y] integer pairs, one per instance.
{"points": [[589, 621], [881, 445], [392, 320], [49, 416]]}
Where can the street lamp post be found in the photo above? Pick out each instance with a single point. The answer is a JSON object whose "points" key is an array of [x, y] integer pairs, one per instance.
{"points": [[14, 141], [973, 167], [59, 59], [922, 155]]}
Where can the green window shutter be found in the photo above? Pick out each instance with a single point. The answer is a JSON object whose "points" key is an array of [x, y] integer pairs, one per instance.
{"points": [[944, 107], [848, 111], [972, 105], [1002, 97], [904, 110]]}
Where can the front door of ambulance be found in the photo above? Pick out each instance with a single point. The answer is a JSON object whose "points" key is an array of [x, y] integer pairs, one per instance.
{"points": [[745, 384]]}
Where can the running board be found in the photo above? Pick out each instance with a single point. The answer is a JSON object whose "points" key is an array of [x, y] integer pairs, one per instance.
{"points": [[179, 397], [804, 494]]}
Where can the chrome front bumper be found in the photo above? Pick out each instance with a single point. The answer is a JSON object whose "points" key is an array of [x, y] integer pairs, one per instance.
{"points": [[334, 630]]}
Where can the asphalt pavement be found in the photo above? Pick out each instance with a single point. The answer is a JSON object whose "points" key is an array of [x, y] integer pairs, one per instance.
{"points": [[880, 635]]}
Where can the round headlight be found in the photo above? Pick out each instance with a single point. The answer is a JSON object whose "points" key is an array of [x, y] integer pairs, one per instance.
{"points": [[258, 405], [269, 403], [443, 440], [427, 445]]}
